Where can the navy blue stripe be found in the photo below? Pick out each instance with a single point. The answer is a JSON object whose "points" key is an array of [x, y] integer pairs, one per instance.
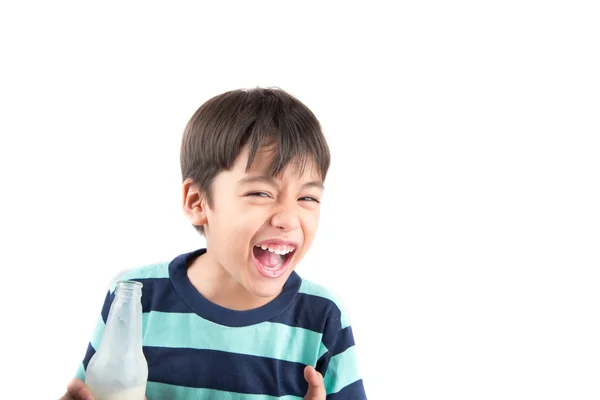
{"points": [[220, 370], [354, 391], [106, 307], [344, 341], [323, 363], [88, 355], [158, 294], [310, 312], [225, 371]]}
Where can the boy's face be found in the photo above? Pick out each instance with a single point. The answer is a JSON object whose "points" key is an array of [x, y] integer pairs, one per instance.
{"points": [[260, 227]]}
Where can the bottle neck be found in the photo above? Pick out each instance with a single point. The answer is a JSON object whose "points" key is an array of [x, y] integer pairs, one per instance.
{"points": [[123, 328]]}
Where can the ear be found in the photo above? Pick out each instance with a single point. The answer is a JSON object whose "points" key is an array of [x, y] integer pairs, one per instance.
{"points": [[194, 203]]}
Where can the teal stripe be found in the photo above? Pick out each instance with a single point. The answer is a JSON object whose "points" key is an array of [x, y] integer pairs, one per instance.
{"points": [[342, 371], [187, 330], [322, 350], [313, 289], [174, 330], [80, 374], [95, 342], [160, 270], [156, 390]]}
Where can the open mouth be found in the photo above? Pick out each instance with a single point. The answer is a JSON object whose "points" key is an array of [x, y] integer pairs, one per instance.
{"points": [[272, 259]]}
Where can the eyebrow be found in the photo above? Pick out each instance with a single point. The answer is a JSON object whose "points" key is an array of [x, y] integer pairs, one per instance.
{"points": [[273, 182]]}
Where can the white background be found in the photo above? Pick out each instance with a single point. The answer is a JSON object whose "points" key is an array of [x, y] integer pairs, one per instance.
{"points": [[460, 225]]}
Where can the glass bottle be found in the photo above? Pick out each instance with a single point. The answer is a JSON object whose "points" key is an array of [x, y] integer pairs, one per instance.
{"points": [[118, 370]]}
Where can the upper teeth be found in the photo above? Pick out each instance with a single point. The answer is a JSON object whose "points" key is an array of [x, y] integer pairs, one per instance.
{"points": [[276, 248]]}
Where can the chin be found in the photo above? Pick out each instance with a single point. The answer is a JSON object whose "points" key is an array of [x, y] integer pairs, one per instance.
{"points": [[268, 290]]}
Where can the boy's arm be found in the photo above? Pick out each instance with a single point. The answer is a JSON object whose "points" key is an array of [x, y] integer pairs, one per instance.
{"points": [[339, 367], [76, 390], [96, 336]]}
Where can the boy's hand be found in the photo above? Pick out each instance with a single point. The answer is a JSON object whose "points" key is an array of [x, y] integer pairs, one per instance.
{"points": [[316, 388], [76, 390]]}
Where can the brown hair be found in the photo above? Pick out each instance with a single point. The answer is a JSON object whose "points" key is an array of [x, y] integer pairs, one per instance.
{"points": [[260, 117]]}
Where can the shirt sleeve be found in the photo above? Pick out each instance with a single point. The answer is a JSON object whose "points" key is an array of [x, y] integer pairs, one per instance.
{"points": [[96, 337], [339, 364]]}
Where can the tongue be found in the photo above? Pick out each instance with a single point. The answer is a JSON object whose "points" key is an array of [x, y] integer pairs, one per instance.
{"points": [[268, 259]]}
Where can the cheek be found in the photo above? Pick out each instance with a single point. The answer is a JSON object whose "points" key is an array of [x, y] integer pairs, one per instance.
{"points": [[310, 223], [243, 228]]}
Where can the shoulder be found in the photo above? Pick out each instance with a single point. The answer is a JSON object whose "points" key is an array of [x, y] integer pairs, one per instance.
{"points": [[324, 294], [151, 271]]}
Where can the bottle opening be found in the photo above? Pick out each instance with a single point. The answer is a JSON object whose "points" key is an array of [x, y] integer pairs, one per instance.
{"points": [[130, 287]]}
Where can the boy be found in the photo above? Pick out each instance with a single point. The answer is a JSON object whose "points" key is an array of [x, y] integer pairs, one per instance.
{"points": [[234, 321]]}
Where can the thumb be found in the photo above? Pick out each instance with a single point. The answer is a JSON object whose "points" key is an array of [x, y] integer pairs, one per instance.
{"points": [[78, 390], [316, 387]]}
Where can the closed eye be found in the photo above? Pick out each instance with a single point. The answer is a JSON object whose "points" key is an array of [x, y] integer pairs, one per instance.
{"points": [[308, 198], [259, 194]]}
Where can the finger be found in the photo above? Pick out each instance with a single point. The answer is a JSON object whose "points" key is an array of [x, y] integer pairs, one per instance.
{"points": [[77, 390], [316, 387]]}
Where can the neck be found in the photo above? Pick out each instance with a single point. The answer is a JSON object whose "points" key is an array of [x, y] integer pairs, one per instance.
{"points": [[218, 286]]}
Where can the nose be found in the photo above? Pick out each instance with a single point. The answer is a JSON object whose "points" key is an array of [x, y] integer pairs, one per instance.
{"points": [[285, 220]]}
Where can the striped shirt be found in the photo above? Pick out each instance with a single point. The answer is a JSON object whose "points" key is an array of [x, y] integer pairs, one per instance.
{"points": [[196, 349]]}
